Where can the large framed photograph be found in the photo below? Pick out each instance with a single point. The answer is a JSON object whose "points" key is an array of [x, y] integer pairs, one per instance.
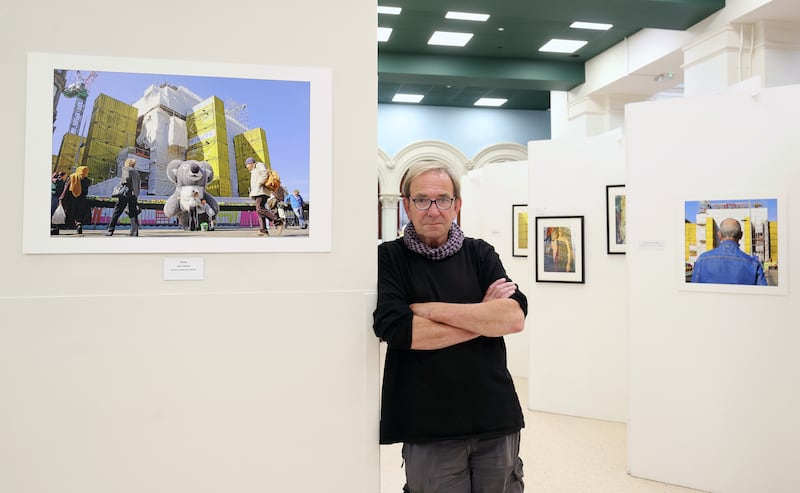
{"points": [[519, 217], [734, 244], [559, 249], [87, 116], [616, 213]]}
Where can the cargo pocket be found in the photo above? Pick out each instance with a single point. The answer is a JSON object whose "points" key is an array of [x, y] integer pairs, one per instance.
{"points": [[519, 485]]}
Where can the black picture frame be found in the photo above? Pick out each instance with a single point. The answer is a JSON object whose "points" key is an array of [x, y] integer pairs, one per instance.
{"points": [[616, 219], [519, 228], [559, 248]]}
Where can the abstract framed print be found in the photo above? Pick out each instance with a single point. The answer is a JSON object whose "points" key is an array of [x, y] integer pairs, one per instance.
{"points": [[616, 213], [559, 249], [519, 218]]}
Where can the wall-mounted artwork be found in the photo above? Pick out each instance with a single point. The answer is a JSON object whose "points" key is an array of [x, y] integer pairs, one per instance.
{"points": [[733, 245], [616, 212], [88, 115], [559, 249], [519, 217]]}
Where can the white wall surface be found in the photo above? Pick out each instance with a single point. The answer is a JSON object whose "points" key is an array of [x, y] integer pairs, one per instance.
{"points": [[578, 332], [489, 193], [714, 404], [262, 377], [468, 129]]}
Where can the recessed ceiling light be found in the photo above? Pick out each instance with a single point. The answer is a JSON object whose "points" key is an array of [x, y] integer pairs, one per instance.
{"points": [[597, 26], [444, 38], [407, 98], [384, 33], [563, 45], [389, 10], [466, 16], [490, 102]]}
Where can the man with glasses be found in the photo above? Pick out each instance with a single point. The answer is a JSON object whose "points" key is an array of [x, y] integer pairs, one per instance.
{"points": [[444, 305]]}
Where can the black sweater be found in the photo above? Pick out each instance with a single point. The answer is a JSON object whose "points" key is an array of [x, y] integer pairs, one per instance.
{"points": [[452, 393]]}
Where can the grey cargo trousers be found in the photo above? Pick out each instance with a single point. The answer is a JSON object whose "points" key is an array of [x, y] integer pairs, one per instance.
{"points": [[464, 466]]}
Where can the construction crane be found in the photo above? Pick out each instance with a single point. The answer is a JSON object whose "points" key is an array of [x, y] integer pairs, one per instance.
{"points": [[79, 89]]}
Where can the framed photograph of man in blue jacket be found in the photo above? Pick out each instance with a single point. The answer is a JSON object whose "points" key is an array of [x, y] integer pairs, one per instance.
{"points": [[733, 244]]}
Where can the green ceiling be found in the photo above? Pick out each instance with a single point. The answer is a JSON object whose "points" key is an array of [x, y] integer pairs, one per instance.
{"points": [[506, 63]]}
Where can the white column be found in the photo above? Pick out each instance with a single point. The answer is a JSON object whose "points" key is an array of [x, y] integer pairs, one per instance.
{"points": [[776, 53], [764, 53], [716, 61], [389, 202], [586, 116]]}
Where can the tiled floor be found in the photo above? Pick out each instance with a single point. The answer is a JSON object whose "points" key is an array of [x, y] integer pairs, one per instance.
{"points": [[562, 454]]}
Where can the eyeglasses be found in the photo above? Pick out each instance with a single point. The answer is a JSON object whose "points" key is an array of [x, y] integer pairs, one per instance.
{"points": [[442, 203]]}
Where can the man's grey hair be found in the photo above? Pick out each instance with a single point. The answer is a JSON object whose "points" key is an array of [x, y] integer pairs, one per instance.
{"points": [[730, 229], [426, 166]]}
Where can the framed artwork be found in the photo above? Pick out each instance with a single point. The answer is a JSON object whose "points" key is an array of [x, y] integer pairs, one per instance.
{"points": [[559, 249], [752, 225], [616, 213], [519, 217], [94, 113]]}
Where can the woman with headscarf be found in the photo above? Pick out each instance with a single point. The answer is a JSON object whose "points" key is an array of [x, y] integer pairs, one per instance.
{"points": [[73, 198]]}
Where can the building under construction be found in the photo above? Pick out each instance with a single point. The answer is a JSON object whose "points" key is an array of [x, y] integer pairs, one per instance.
{"points": [[167, 122], [759, 238]]}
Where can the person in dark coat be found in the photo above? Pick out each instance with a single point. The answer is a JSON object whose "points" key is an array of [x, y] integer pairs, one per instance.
{"points": [[444, 305], [130, 178]]}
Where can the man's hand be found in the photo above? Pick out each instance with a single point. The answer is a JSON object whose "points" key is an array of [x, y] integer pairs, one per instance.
{"points": [[499, 289]]}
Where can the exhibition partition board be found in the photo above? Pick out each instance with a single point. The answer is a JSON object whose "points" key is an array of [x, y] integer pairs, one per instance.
{"points": [[490, 193], [713, 368], [578, 331], [257, 373]]}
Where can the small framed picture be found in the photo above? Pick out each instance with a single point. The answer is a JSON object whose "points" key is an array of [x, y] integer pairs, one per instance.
{"points": [[519, 218], [733, 244], [559, 249], [616, 213]]}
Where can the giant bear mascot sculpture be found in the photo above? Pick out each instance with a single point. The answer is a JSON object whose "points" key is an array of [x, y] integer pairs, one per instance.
{"points": [[189, 177]]}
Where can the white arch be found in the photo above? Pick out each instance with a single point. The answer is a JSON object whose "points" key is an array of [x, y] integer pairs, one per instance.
{"points": [[385, 164], [427, 149], [391, 171], [499, 153]]}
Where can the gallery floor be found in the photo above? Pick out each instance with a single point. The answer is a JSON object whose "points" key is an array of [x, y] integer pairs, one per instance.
{"points": [[562, 454]]}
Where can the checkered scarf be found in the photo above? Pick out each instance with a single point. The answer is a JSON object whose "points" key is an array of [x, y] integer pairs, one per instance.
{"points": [[455, 238]]}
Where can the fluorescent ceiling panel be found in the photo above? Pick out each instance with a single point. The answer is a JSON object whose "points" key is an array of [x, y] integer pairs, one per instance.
{"points": [[384, 33], [444, 38], [563, 45], [490, 102], [407, 98], [596, 26], [467, 16], [382, 9]]}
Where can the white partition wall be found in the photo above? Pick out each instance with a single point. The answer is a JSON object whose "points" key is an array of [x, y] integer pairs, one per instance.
{"points": [[578, 332], [262, 376], [714, 403], [489, 193]]}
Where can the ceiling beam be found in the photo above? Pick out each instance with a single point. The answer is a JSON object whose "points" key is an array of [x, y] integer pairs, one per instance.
{"points": [[500, 73]]}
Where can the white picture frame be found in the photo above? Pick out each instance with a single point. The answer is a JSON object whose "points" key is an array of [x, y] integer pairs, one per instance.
{"points": [[728, 205], [39, 157]]}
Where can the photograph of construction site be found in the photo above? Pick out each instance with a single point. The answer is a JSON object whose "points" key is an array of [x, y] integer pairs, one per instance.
{"points": [[714, 228], [101, 119]]}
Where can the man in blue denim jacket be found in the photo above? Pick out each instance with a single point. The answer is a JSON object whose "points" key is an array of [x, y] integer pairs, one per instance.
{"points": [[728, 264]]}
